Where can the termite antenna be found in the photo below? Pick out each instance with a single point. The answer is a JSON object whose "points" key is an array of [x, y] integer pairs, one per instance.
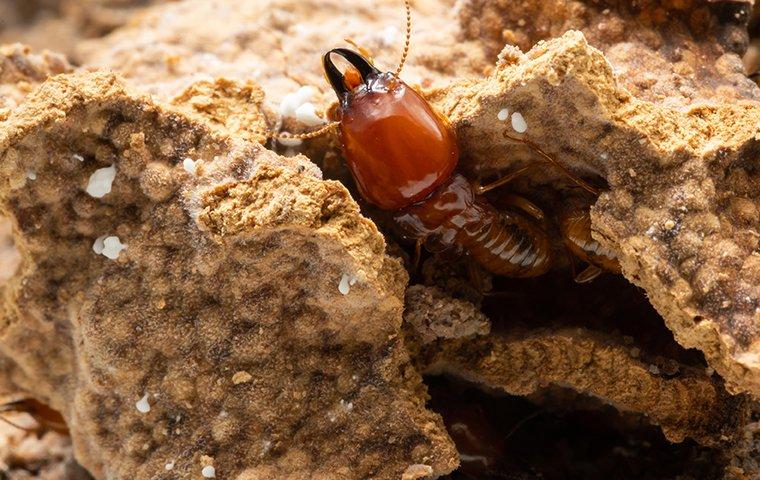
{"points": [[307, 135], [408, 37], [576, 179]]}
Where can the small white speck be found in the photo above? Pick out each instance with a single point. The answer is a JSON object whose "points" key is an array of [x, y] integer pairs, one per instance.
{"points": [[642, 141], [518, 123], [631, 172], [604, 156], [389, 36], [521, 22], [347, 406], [670, 224], [78, 157], [189, 165], [208, 472], [654, 370], [100, 181], [31, 175], [308, 116], [292, 101], [169, 465], [97, 246], [142, 405], [346, 281], [709, 371], [112, 247], [266, 445], [503, 114]]}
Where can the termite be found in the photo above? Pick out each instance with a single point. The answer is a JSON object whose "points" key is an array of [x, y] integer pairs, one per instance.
{"points": [[46, 417], [403, 157], [575, 227]]}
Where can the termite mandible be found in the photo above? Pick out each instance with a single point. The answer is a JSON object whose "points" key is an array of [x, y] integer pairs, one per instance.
{"points": [[403, 156]]}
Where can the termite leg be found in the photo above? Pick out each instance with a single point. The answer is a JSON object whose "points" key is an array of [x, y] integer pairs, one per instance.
{"points": [[15, 425], [571, 261], [525, 205], [481, 189], [475, 277], [417, 254], [590, 273]]}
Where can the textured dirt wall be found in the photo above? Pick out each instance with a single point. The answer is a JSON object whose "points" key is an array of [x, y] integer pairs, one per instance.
{"points": [[204, 302]]}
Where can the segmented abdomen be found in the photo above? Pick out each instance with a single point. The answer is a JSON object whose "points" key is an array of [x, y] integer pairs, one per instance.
{"points": [[576, 231], [454, 217]]}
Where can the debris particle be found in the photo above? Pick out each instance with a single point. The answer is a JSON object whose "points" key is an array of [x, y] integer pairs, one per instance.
{"points": [[112, 247], [670, 224], [189, 165], [503, 114], [521, 22], [77, 157], [518, 123], [631, 172], [654, 369], [346, 281], [389, 35], [142, 405], [292, 101], [308, 116], [241, 377], [414, 472], [31, 175], [98, 246], [635, 352], [169, 465], [100, 182], [208, 471]]}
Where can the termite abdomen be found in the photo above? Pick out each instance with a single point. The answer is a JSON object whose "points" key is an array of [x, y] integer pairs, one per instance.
{"points": [[575, 227], [455, 218]]}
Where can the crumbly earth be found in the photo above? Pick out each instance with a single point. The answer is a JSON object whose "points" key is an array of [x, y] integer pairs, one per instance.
{"points": [[433, 315], [688, 404], [223, 312], [235, 268], [681, 209], [671, 52]]}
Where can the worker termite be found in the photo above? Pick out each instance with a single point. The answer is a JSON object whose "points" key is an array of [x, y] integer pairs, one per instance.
{"points": [[46, 417], [403, 156]]}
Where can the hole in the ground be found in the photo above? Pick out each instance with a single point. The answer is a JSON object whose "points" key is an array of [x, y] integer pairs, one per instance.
{"points": [[561, 437], [608, 304]]}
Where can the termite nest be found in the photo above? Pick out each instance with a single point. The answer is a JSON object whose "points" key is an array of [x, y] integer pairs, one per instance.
{"points": [[198, 298]]}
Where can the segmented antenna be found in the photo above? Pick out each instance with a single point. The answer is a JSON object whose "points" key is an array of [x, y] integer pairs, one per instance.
{"points": [[408, 37], [576, 179], [307, 135]]}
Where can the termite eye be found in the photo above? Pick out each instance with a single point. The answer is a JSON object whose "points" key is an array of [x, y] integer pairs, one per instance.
{"points": [[357, 74]]}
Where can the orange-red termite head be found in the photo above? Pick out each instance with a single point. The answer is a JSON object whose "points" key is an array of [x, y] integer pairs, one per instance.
{"points": [[396, 146]]}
